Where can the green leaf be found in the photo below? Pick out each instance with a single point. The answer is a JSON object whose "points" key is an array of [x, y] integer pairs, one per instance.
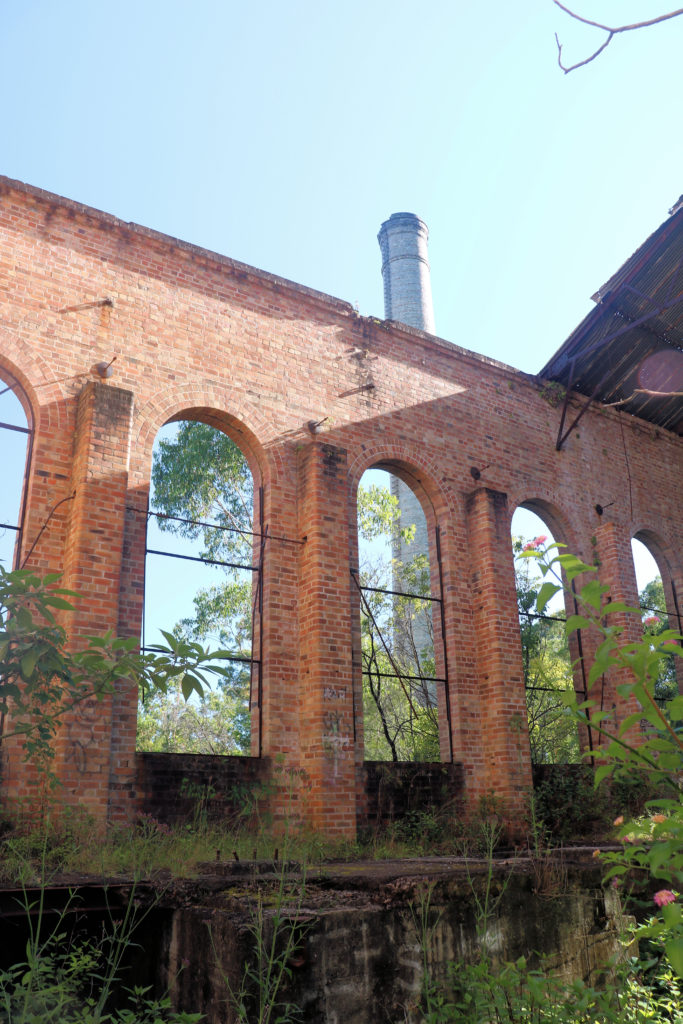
{"points": [[573, 566], [575, 622], [28, 662], [603, 771], [545, 594], [619, 606], [674, 954], [675, 709], [59, 602], [591, 594]]}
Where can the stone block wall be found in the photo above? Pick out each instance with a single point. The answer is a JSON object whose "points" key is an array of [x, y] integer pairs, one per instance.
{"points": [[199, 336]]}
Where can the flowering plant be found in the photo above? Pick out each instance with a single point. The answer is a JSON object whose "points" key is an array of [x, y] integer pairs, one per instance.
{"points": [[649, 740]]}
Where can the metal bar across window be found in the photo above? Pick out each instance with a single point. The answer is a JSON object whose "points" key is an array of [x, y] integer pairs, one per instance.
{"points": [[213, 526], [392, 675], [544, 618], [398, 593], [549, 689], [196, 558], [656, 611], [13, 426]]}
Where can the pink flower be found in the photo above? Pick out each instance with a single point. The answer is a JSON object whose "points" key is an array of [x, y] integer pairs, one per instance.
{"points": [[651, 620], [663, 897], [658, 819], [540, 540], [529, 547]]}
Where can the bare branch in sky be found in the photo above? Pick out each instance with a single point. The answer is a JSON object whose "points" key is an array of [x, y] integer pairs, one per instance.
{"points": [[610, 30]]}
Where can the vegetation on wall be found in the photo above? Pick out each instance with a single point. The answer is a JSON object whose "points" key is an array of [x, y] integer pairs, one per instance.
{"points": [[553, 735], [201, 475], [397, 635]]}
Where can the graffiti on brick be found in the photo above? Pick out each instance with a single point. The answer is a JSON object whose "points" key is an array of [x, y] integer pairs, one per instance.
{"points": [[82, 748], [334, 693], [336, 743]]}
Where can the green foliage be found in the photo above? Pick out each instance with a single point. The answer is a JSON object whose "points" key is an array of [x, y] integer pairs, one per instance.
{"points": [[649, 741], [201, 474], [553, 735], [218, 723], [43, 678], [275, 934], [516, 993], [397, 638], [570, 807], [652, 603], [70, 977]]}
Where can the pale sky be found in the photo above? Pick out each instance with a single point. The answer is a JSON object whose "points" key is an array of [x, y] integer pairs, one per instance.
{"points": [[283, 134]]}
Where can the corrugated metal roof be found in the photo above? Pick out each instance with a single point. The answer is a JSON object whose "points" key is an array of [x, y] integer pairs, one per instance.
{"points": [[631, 344]]}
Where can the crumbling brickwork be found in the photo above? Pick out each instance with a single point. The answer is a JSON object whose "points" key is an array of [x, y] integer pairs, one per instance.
{"points": [[200, 336]]}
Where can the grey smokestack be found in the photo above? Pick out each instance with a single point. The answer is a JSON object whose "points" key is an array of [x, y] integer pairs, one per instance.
{"points": [[405, 269]]}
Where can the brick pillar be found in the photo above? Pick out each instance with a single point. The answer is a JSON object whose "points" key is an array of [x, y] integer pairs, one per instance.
{"points": [[92, 567], [506, 769], [616, 569], [326, 684]]}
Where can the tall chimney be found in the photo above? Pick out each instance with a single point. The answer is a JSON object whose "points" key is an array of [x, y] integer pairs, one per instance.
{"points": [[405, 269]]}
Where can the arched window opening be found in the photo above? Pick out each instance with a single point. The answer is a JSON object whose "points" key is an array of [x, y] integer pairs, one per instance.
{"points": [[202, 583], [653, 606], [398, 611], [16, 439], [553, 734]]}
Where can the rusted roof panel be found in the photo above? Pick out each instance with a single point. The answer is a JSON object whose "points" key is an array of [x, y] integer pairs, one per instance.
{"points": [[629, 349]]}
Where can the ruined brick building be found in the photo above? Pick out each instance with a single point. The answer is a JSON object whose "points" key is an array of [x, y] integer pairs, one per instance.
{"points": [[199, 336]]}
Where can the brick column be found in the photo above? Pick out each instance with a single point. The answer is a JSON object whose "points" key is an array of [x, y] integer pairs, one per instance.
{"points": [[92, 567], [616, 569], [506, 768], [326, 686]]}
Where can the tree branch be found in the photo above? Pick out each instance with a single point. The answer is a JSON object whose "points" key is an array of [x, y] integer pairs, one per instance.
{"points": [[611, 31], [646, 391]]}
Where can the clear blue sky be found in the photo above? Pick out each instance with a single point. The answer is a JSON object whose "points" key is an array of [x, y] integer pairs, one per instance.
{"points": [[282, 134]]}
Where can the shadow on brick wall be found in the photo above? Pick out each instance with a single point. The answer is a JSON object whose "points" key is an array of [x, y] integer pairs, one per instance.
{"points": [[197, 788], [181, 789], [394, 790]]}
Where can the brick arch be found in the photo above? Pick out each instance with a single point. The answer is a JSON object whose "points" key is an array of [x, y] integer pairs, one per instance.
{"points": [[220, 408], [442, 508], [670, 569], [558, 521], [664, 554], [413, 468], [45, 395]]}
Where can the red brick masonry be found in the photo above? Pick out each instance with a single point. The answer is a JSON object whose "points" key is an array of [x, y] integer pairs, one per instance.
{"points": [[199, 336]]}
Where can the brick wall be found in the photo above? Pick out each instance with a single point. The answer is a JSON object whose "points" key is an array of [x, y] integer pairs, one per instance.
{"points": [[395, 791], [188, 788], [197, 335]]}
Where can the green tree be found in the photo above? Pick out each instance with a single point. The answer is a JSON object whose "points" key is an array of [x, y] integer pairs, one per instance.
{"points": [[43, 676], [201, 475], [397, 637], [553, 734], [655, 621], [647, 742]]}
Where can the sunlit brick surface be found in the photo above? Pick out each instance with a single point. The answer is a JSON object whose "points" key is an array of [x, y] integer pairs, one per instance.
{"points": [[198, 335]]}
